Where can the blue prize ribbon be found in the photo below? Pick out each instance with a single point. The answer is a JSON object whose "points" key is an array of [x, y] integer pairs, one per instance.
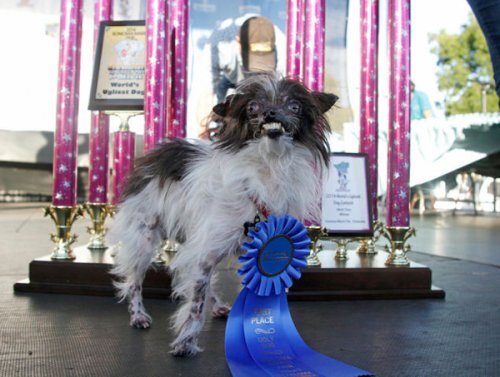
{"points": [[261, 338], [318, 362], [266, 338], [276, 253], [239, 359]]}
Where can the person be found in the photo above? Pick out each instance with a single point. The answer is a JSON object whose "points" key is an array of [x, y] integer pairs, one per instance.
{"points": [[487, 13], [420, 107], [253, 49]]}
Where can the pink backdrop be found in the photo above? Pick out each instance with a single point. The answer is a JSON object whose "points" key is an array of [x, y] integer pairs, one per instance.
{"points": [[99, 126], [398, 169], [68, 85]]}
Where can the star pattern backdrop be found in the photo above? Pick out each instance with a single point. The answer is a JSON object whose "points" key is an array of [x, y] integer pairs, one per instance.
{"points": [[179, 29], [66, 133], [294, 34], [306, 47], [314, 44], [369, 92], [99, 126], [123, 161], [98, 155], [155, 100], [398, 155]]}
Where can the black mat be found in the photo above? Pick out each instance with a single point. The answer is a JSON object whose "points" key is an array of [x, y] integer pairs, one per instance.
{"points": [[63, 335]]}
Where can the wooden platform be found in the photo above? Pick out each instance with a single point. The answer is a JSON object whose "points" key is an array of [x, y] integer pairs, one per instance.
{"points": [[360, 277], [88, 274], [363, 277]]}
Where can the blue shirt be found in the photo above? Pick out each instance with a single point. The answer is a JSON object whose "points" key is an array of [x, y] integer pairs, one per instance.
{"points": [[419, 104]]}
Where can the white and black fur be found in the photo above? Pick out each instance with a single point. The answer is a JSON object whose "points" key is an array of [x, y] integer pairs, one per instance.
{"points": [[271, 147]]}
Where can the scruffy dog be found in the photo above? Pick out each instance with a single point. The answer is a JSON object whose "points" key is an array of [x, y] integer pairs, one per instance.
{"points": [[270, 150]]}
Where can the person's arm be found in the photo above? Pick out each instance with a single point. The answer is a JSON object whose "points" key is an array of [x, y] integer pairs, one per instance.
{"points": [[426, 106], [427, 114], [214, 58]]}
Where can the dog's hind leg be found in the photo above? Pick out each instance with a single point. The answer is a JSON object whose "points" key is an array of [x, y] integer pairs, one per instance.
{"points": [[131, 265]]}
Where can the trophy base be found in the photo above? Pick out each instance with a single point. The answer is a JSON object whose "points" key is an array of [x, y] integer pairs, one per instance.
{"points": [[360, 277], [87, 274], [96, 243], [62, 251], [366, 248]]}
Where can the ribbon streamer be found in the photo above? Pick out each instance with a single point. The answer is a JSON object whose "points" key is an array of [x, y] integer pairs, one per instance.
{"points": [[261, 338]]}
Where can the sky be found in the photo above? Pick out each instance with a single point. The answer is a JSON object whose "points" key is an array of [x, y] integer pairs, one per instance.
{"points": [[29, 77]]}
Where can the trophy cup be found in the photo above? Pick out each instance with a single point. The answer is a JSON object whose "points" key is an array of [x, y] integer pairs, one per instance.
{"points": [[397, 236], [315, 232]]}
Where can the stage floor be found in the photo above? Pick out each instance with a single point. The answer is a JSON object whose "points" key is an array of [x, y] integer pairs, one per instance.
{"points": [[66, 335]]}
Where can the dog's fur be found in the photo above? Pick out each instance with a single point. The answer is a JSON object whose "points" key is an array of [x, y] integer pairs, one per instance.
{"points": [[271, 147]]}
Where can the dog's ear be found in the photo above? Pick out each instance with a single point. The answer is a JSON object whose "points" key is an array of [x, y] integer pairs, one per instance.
{"points": [[221, 108], [325, 101]]}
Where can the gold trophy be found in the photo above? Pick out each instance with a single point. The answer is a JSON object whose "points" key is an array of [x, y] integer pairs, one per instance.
{"points": [[97, 231], [165, 252], [367, 245], [397, 236], [341, 254], [315, 232], [63, 217]]}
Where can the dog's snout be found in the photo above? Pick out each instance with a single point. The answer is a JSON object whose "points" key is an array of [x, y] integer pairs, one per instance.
{"points": [[271, 113]]}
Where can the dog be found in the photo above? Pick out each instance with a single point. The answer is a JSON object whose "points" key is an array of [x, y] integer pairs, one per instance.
{"points": [[268, 157]]}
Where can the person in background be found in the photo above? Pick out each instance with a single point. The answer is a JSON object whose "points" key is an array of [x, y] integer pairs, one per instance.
{"points": [[420, 108], [420, 104], [253, 49], [246, 45]]}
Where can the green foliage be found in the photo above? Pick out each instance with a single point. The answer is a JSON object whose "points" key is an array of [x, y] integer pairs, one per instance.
{"points": [[463, 64]]}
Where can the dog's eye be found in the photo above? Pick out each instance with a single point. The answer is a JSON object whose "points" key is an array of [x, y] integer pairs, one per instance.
{"points": [[252, 107], [294, 106]]}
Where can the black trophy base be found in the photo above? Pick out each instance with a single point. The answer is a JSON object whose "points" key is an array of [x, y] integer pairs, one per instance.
{"points": [[87, 274], [360, 277]]}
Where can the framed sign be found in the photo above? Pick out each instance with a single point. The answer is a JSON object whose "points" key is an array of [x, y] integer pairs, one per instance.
{"points": [[346, 205], [119, 66]]}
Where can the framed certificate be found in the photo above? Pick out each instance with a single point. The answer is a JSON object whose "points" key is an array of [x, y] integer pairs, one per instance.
{"points": [[346, 205], [119, 66]]}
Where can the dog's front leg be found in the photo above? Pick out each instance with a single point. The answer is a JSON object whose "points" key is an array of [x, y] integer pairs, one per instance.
{"points": [[194, 285], [219, 308], [189, 320]]}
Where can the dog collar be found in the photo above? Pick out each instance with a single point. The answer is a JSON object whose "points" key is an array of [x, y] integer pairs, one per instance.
{"points": [[261, 209]]}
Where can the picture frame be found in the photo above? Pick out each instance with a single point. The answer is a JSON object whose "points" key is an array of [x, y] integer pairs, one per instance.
{"points": [[346, 204], [119, 67]]}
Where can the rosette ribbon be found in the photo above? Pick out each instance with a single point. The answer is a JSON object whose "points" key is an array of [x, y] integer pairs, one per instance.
{"points": [[261, 338]]}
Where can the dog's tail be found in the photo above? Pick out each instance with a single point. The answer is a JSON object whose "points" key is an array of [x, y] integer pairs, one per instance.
{"points": [[136, 238]]}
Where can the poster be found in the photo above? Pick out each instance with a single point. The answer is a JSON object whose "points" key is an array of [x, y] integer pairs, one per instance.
{"points": [[119, 67], [346, 206]]}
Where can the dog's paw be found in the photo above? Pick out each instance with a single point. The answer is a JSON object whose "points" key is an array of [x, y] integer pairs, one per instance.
{"points": [[220, 311], [140, 320], [185, 349]]}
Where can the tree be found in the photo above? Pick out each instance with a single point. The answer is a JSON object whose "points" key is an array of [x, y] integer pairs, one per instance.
{"points": [[465, 72]]}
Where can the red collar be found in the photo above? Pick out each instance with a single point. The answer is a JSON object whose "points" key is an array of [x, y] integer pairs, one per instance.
{"points": [[261, 208]]}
